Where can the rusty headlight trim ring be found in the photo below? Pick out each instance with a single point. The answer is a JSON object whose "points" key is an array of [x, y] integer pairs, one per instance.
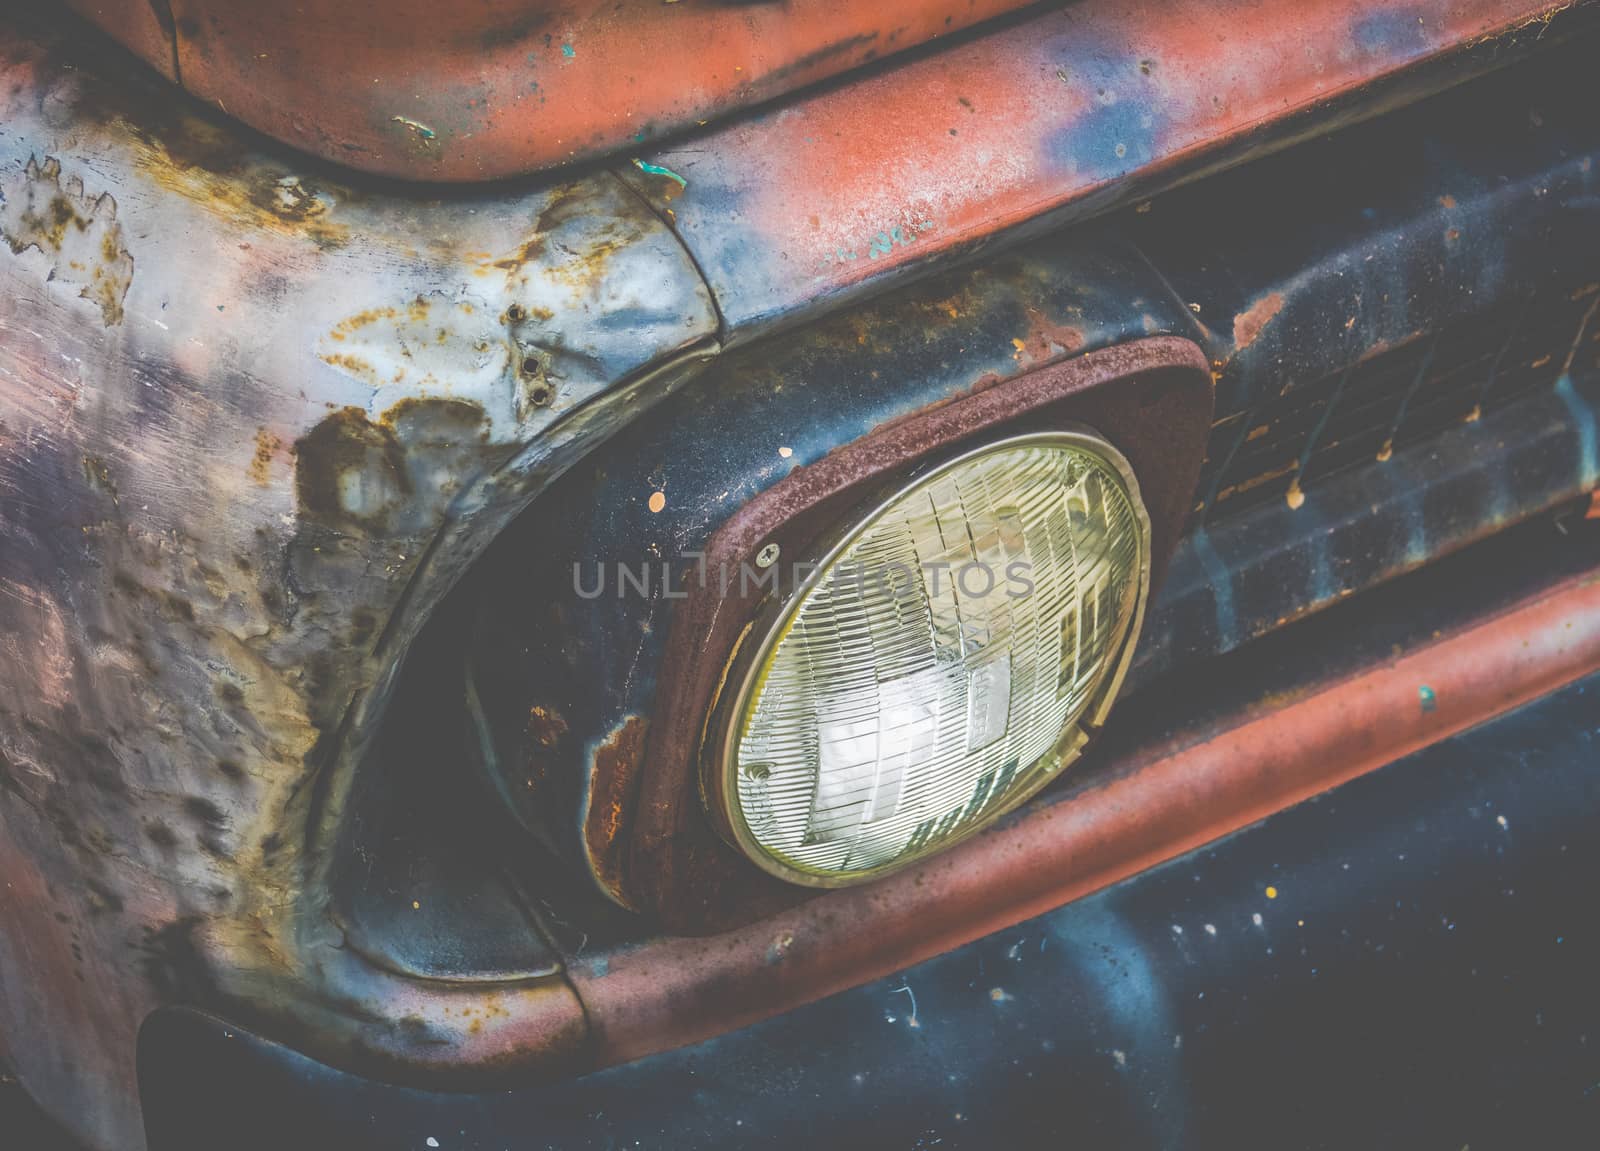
{"points": [[748, 659], [661, 853]]}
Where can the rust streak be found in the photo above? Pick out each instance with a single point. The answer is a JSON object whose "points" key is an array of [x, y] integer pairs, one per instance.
{"points": [[1248, 324], [613, 784]]}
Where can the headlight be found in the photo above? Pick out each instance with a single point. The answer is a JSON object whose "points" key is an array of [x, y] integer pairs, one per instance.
{"points": [[940, 665]]}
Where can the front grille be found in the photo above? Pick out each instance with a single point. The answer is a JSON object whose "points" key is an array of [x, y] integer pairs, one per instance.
{"points": [[1393, 399]]}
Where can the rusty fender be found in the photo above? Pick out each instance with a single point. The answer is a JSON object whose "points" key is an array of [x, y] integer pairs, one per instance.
{"points": [[253, 423]]}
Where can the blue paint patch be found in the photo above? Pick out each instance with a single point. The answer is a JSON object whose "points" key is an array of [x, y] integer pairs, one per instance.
{"points": [[1221, 583], [1122, 127], [1138, 1007], [600, 968], [1325, 582], [1584, 424], [1392, 34], [1428, 699], [568, 51]]}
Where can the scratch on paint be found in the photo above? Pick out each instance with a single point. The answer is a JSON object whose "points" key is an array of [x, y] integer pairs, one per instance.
{"points": [[1583, 327], [657, 170], [1296, 496], [420, 129], [911, 1021], [1387, 451]]}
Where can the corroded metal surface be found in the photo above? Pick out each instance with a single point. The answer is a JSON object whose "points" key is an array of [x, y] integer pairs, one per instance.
{"points": [[430, 91], [253, 423], [255, 419], [1045, 121]]}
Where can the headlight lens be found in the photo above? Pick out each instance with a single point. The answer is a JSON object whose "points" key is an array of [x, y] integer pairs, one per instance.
{"points": [[940, 664]]}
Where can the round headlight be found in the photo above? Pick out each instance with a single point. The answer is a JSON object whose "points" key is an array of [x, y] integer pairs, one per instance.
{"points": [[940, 664]]}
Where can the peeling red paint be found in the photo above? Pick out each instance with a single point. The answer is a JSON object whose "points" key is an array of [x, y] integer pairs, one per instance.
{"points": [[422, 90], [1044, 121]]}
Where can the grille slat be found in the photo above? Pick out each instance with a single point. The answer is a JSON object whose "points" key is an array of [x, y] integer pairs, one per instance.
{"points": [[1366, 411]]}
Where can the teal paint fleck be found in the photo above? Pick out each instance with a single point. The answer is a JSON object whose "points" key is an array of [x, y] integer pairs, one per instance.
{"points": [[422, 130], [883, 244], [657, 170], [1429, 700], [568, 51]]}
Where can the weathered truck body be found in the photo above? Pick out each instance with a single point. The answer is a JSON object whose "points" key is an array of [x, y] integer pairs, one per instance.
{"points": [[320, 772]]}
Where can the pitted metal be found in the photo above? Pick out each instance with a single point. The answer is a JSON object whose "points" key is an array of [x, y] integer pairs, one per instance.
{"points": [[253, 423]]}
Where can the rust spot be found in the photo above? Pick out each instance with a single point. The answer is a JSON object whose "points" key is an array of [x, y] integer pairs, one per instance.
{"points": [[545, 725], [576, 268], [1048, 340], [351, 324], [267, 446], [77, 232], [528, 253], [353, 365], [350, 471], [613, 784], [457, 421], [204, 163], [1248, 324], [1256, 481], [543, 734], [429, 342]]}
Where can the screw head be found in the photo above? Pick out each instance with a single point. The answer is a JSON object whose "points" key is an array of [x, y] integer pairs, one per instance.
{"points": [[767, 556]]}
